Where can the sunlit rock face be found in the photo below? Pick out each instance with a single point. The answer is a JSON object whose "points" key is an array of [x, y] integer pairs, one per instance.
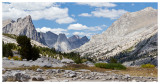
{"points": [[130, 31]]}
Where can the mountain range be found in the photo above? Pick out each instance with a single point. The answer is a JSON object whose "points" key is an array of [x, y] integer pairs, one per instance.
{"points": [[132, 39], [24, 26]]}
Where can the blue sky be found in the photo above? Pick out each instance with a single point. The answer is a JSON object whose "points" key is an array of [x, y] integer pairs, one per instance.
{"points": [[72, 18]]}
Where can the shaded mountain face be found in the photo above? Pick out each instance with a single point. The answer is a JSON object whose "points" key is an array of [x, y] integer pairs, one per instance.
{"points": [[125, 34], [23, 26], [50, 38], [62, 43], [73, 38], [76, 41]]}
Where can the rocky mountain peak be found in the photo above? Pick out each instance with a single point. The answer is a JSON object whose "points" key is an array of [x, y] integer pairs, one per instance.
{"points": [[125, 33], [23, 26], [61, 37], [148, 9], [73, 38], [122, 26], [62, 43], [6, 22], [84, 37]]}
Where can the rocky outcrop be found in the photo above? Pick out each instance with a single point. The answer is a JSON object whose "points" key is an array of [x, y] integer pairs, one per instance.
{"points": [[62, 43], [77, 41], [125, 34], [50, 38], [23, 26]]}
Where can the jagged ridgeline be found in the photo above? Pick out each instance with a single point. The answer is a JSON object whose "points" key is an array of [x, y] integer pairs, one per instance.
{"points": [[24, 26], [131, 39], [43, 50]]}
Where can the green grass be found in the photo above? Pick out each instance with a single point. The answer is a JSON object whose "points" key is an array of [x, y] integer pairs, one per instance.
{"points": [[114, 66], [100, 65], [147, 66], [10, 35]]}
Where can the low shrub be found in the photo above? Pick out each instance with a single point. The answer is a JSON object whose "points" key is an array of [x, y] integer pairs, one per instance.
{"points": [[84, 60], [113, 60], [16, 58], [148, 66], [115, 66], [10, 57], [100, 65]]}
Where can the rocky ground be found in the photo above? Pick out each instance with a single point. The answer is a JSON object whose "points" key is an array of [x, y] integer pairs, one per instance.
{"points": [[61, 75], [16, 71]]}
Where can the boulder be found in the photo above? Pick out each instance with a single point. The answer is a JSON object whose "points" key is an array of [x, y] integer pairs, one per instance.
{"points": [[22, 77], [24, 59], [39, 70], [30, 60], [127, 76], [37, 78], [48, 65], [5, 58], [72, 75], [15, 76], [4, 78], [68, 61]]}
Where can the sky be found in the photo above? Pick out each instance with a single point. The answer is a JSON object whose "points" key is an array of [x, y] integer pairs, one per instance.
{"points": [[71, 18]]}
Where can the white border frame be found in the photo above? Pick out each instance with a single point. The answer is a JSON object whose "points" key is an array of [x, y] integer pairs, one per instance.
{"points": [[76, 1]]}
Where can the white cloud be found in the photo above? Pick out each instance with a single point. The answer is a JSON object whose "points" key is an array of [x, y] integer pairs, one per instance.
{"points": [[106, 13], [37, 10], [85, 14], [65, 20], [54, 30], [31, 5], [98, 4], [83, 33], [78, 26]]}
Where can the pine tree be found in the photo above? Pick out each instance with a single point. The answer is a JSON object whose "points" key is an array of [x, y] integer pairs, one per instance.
{"points": [[27, 51]]}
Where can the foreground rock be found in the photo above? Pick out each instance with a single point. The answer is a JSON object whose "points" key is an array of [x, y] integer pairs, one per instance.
{"points": [[42, 62], [60, 75], [19, 76]]}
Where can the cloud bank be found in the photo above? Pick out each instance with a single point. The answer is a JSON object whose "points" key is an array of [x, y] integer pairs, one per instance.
{"points": [[38, 10]]}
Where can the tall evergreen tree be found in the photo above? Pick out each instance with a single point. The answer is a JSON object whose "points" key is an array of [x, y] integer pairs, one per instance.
{"points": [[26, 51]]}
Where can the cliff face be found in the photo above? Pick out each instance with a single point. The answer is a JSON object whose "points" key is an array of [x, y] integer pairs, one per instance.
{"points": [[23, 27], [125, 33], [62, 43], [50, 38], [76, 41]]}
